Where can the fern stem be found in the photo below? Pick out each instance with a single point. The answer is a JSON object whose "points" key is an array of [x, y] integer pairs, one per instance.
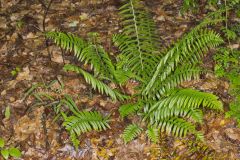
{"points": [[136, 30]]}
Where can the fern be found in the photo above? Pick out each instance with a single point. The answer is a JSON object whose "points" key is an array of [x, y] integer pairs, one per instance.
{"points": [[131, 132], [79, 122], [95, 83], [85, 121], [87, 52], [233, 3], [165, 106], [183, 103], [189, 98], [189, 50], [74, 139], [138, 40], [93, 54], [127, 109], [175, 126], [153, 134], [68, 41], [99, 60], [179, 75]]}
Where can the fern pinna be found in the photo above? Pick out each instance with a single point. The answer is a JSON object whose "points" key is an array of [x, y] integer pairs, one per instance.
{"points": [[163, 105]]}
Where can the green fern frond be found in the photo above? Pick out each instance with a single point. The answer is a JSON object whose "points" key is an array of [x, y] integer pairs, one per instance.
{"points": [[181, 104], [188, 50], [233, 3], [81, 121], [191, 99], [89, 53], [74, 139], [213, 18], [85, 121], [153, 134], [95, 83], [99, 60], [131, 132], [178, 76], [176, 126], [166, 112], [68, 101], [67, 41], [138, 40], [128, 109]]}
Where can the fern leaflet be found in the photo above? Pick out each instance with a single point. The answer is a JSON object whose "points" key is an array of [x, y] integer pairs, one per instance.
{"points": [[131, 132], [153, 134], [95, 83]]}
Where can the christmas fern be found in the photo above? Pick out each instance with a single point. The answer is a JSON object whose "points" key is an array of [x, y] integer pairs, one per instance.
{"points": [[163, 105], [131, 132], [93, 54], [128, 109], [95, 83], [68, 41], [82, 121], [153, 133], [187, 51], [85, 121], [138, 42]]}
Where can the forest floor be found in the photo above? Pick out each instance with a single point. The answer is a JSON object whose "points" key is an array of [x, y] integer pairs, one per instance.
{"points": [[32, 128]]}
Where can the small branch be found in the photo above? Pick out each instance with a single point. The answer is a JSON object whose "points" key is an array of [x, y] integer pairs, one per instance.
{"points": [[45, 15], [43, 4], [44, 27]]}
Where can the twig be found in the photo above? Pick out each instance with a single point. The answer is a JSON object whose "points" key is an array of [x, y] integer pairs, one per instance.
{"points": [[44, 117], [62, 51], [45, 15], [44, 27], [43, 4]]}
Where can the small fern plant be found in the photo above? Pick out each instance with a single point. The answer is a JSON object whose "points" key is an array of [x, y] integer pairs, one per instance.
{"points": [[159, 100], [162, 103], [79, 122]]}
